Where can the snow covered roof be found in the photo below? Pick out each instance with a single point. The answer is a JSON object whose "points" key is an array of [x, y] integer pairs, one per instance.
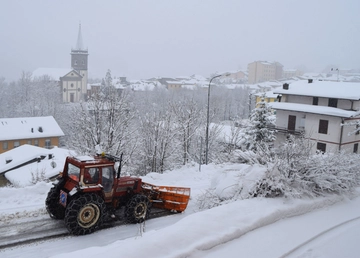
{"points": [[326, 89], [29, 128], [323, 110], [268, 94], [21, 167], [54, 73]]}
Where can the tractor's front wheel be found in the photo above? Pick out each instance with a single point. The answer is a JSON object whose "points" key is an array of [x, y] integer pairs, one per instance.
{"points": [[137, 209], [52, 204], [85, 214]]}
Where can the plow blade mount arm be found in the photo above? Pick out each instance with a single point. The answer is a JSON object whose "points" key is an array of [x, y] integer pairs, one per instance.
{"points": [[167, 197]]}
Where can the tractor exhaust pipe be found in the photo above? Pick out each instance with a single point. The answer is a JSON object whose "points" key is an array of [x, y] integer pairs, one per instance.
{"points": [[119, 168]]}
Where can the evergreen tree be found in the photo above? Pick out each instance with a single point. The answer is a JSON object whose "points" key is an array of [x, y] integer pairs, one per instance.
{"points": [[261, 126]]}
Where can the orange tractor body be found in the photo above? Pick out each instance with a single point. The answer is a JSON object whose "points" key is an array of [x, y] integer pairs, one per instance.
{"points": [[89, 192]]}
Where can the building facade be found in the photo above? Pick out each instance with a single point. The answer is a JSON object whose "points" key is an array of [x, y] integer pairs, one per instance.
{"points": [[324, 112], [261, 71]]}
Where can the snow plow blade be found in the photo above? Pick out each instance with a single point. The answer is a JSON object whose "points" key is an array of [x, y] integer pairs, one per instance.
{"points": [[167, 197]]}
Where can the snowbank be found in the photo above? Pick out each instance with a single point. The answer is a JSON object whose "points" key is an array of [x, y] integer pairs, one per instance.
{"points": [[206, 229]]}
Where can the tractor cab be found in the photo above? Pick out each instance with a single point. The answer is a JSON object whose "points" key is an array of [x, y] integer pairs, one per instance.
{"points": [[97, 174]]}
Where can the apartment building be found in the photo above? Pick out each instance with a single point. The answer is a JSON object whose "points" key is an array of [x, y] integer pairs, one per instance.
{"points": [[261, 71]]}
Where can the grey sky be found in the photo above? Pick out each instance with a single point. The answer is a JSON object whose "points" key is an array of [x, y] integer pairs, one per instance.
{"points": [[142, 39]]}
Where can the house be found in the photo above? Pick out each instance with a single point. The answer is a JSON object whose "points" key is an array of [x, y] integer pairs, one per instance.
{"points": [[22, 165], [71, 81], [319, 110], [267, 96], [37, 131]]}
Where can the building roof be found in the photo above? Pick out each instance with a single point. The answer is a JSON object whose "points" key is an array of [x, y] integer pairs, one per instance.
{"points": [[29, 128], [322, 110], [326, 89], [20, 170], [54, 73]]}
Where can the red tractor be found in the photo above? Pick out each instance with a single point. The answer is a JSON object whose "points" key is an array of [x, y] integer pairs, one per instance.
{"points": [[89, 192]]}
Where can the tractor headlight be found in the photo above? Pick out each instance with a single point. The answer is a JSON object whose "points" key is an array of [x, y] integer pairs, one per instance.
{"points": [[73, 191]]}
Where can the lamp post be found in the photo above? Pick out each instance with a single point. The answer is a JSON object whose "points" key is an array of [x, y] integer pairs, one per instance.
{"points": [[207, 122]]}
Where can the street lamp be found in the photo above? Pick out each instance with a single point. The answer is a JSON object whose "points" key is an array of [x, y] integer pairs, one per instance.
{"points": [[207, 117]]}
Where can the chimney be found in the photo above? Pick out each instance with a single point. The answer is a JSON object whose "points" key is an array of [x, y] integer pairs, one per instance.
{"points": [[8, 160], [285, 86], [310, 80]]}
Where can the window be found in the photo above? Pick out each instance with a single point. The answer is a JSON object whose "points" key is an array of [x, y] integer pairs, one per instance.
{"points": [[91, 175], [323, 126], [73, 172], [357, 129], [29, 142], [5, 145], [333, 102], [356, 147], [321, 146], [72, 85], [291, 123], [107, 178], [315, 101], [16, 144], [47, 143], [36, 142]]}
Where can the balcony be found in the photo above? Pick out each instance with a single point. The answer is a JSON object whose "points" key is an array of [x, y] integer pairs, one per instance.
{"points": [[284, 130]]}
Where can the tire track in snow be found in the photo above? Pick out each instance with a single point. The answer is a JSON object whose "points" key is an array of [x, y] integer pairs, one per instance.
{"points": [[317, 236]]}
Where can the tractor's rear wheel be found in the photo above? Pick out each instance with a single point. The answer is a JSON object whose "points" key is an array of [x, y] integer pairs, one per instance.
{"points": [[137, 209], [85, 214], [52, 203]]}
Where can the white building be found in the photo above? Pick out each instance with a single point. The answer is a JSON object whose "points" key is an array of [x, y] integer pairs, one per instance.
{"points": [[317, 110]]}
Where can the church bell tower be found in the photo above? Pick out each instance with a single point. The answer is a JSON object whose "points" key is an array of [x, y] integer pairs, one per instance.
{"points": [[79, 61]]}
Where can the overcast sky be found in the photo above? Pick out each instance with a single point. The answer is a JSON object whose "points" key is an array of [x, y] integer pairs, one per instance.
{"points": [[143, 39]]}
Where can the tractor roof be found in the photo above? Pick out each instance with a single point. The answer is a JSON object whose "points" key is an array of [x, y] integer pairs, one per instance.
{"points": [[84, 161]]}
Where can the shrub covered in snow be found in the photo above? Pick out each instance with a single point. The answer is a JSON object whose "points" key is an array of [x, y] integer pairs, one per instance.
{"points": [[292, 172], [295, 172]]}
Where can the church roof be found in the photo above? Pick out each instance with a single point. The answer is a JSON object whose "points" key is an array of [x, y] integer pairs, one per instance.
{"points": [[54, 73]]}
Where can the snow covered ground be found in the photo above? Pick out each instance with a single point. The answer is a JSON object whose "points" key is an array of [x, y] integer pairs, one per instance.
{"points": [[259, 227]]}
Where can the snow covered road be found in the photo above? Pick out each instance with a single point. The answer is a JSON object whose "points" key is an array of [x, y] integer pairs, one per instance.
{"points": [[258, 227]]}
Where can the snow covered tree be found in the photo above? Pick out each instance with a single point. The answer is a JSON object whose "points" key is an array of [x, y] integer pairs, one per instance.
{"points": [[261, 126], [355, 124], [30, 96], [157, 139], [187, 113], [5, 107], [104, 122]]}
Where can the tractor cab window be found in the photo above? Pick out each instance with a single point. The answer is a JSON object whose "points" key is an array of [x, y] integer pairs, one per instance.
{"points": [[73, 172], [91, 175], [107, 178]]}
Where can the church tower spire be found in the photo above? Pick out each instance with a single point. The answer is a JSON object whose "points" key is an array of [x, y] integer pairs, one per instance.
{"points": [[79, 63], [79, 42], [79, 55]]}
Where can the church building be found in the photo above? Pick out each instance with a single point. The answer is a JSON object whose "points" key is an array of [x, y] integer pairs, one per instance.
{"points": [[72, 81]]}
